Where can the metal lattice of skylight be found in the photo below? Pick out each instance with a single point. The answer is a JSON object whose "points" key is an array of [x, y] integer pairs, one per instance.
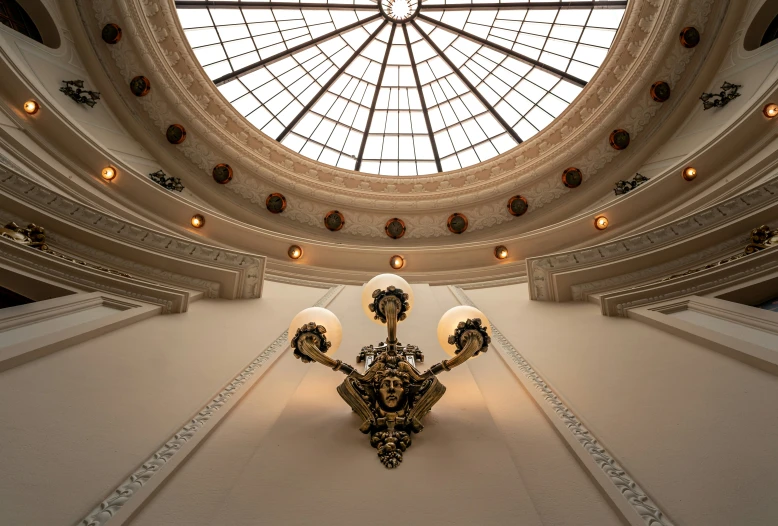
{"points": [[400, 87]]}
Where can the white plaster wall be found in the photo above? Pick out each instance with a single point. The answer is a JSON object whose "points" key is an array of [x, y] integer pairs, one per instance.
{"points": [[291, 453], [76, 423], [695, 428]]}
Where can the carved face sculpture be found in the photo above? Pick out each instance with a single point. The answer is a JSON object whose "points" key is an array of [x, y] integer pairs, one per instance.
{"points": [[391, 393]]}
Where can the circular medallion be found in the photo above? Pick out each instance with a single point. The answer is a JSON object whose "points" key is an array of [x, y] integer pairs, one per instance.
{"points": [[619, 139], [572, 178], [457, 223], [275, 203], [395, 228], [399, 10], [175, 134], [517, 205], [222, 173], [111, 34], [690, 37], [334, 221], [660, 91], [140, 86]]}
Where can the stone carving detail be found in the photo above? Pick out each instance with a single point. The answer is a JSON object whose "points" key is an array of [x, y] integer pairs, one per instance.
{"points": [[646, 35], [635, 496], [103, 513]]}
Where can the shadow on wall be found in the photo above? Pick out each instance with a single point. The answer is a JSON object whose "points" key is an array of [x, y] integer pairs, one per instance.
{"points": [[763, 28]]}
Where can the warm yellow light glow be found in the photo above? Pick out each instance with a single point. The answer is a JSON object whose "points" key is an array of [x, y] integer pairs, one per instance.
{"points": [[109, 173], [501, 252], [198, 221], [771, 111], [31, 107], [449, 321], [323, 317], [383, 281], [396, 262], [601, 223], [689, 173], [295, 252]]}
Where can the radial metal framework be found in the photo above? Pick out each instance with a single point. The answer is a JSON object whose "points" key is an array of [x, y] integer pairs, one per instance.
{"points": [[400, 87]]}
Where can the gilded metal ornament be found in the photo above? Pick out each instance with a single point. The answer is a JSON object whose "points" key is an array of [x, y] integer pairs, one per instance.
{"points": [[690, 37], [111, 34], [395, 228], [275, 203], [622, 187], [334, 221], [457, 223], [222, 173], [517, 205], [392, 396], [572, 178], [140, 86], [619, 139], [175, 134], [660, 91], [167, 182]]}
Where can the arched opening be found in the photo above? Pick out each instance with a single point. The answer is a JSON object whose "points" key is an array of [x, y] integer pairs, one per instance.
{"points": [[30, 18], [14, 16], [764, 26]]}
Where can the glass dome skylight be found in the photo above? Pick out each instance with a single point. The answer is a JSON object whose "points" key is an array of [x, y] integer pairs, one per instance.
{"points": [[458, 83]]}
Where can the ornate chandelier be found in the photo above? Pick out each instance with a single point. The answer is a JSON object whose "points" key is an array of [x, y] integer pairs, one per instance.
{"points": [[392, 396]]}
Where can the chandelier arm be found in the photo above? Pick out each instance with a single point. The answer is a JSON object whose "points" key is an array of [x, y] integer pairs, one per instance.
{"points": [[308, 346], [390, 308], [474, 341]]}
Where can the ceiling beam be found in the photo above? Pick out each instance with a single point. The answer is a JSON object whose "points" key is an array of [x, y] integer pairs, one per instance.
{"points": [[610, 4], [509, 52], [305, 45], [423, 102], [375, 98], [194, 4], [327, 84], [472, 88]]}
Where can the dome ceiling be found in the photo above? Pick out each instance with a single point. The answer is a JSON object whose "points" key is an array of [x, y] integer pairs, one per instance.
{"points": [[439, 85]]}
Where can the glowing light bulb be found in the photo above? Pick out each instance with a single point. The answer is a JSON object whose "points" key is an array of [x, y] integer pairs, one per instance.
{"points": [[396, 262], [31, 107], [689, 173], [501, 252], [198, 221], [295, 252], [771, 111], [109, 173], [601, 222]]}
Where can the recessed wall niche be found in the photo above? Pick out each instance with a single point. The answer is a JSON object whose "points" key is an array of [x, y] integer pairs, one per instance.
{"points": [[763, 28], [31, 19]]}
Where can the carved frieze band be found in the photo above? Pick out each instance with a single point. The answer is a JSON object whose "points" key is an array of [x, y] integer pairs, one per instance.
{"points": [[119, 498], [634, 497]]}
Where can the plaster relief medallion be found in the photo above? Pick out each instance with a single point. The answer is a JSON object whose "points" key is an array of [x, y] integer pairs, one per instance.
{"points": [[457, 223], [690, 37], [660, 91], [111, 34], [175, 134], [572, 178], [619, 139], [140, 86], [334, 221], [395, 228], [222, 173], [275, 203], [517, 205]]}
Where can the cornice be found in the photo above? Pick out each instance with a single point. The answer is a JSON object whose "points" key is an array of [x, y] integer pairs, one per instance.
{"points": [[646, 49]]}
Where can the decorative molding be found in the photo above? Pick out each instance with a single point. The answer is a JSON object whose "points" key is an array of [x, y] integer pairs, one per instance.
{"points": [[118, 507], [297, 281], [241, 273], [156, 44], [493, 283], [542, 270], [636, 506]]}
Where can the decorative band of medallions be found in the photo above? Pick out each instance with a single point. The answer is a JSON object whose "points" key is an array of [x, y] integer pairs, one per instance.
{"points": [[395, 228], [222, 173], [619, 139], [572, 178], [140, 86], [111, 34], [334, 221], [517, 205], [175, 134], [457, 223], [275, 203], [660, 91]]}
